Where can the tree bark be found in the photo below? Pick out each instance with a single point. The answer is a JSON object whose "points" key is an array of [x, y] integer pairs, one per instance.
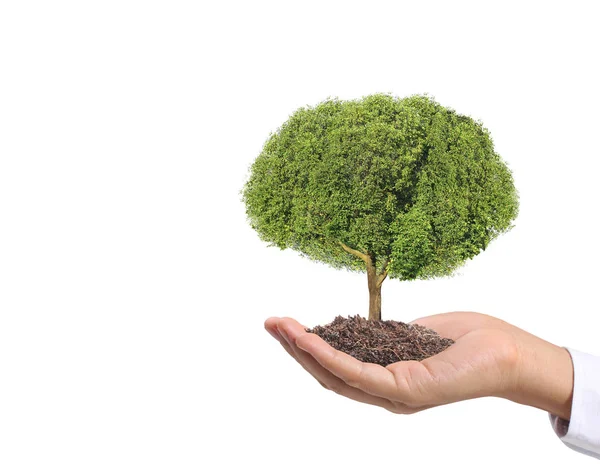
{"points": [[374, 282]]}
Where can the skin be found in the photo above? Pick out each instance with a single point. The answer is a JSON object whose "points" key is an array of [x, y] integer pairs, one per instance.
{"points": [[490, 357]]}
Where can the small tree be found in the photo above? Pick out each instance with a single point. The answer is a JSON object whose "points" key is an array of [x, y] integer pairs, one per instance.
{"points": [[401, 188]]}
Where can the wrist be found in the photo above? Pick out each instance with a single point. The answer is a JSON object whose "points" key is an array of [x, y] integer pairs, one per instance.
{"points": [[544, 377]]}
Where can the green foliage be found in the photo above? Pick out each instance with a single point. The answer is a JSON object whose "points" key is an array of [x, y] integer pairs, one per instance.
{"points": [[405, 179]]}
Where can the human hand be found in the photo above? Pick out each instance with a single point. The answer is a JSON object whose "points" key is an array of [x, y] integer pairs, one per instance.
{"points": [[490, 357]]}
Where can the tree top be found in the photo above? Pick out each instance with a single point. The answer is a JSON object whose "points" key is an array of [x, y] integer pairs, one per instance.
{"points": [[413, 185]]}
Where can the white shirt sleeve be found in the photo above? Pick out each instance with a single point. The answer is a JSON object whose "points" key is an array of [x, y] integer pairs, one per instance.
{"points": [[582, 431]]}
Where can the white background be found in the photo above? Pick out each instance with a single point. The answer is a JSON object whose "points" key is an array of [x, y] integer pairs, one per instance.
{"points": [[133, 291]]}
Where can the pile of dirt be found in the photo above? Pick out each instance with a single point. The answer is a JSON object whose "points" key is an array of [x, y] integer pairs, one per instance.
{"points": [[382, 342]]}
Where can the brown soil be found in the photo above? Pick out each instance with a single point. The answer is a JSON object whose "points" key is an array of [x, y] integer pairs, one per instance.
{"points": [[382, 342]]}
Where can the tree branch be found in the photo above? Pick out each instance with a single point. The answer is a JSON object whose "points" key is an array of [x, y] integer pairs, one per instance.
{"points": [[357, 253], [384, 273]]}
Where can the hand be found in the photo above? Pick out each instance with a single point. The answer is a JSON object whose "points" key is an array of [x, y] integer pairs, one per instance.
{"points": [[490, 357]]}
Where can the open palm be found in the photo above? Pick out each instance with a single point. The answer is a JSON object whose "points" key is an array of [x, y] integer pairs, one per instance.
{"points": [[483, 361]]}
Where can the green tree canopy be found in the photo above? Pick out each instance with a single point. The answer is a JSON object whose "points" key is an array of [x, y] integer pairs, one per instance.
{"points": [[412, 184]]}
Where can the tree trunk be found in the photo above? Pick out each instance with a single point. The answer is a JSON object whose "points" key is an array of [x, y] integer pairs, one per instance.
{"points": [[375, 282]]}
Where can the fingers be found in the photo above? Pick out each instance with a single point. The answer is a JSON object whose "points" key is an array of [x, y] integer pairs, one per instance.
{"points": [[271, 323], [331, 382], [271, 327], [370, 378], [457, 324], [449, 325], [409, 386], [324, 377]]}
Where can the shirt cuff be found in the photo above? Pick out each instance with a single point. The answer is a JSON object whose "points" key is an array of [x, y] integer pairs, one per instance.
{"points": [[582, 431]]}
